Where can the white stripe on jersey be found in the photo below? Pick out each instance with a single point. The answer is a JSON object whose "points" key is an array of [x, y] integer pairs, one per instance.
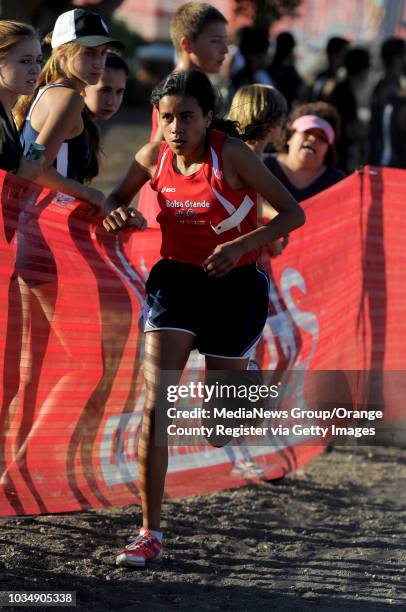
{"points": [[235, 219], [162, 163], [230, 208], [215, 160], [62, 159]]}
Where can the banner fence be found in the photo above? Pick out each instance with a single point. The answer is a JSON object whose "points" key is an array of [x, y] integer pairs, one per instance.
{"points": [[71, 348]]}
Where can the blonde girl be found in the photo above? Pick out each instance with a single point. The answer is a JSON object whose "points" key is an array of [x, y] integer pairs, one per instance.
{"points": [[53, 115], [260, 112], [20, 65]]}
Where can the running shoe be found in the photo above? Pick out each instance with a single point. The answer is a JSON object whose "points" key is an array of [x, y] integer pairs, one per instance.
{"points": [[145, 547]]}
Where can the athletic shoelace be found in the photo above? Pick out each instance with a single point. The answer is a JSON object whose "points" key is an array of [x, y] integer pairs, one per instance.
{"points": [[140, 542]]}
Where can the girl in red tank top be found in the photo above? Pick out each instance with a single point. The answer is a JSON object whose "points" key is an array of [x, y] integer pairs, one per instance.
{"points": [[206, 292], [208, 213]]}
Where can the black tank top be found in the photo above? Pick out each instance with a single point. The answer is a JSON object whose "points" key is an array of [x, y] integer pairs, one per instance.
{"points": [[11, 150], [73, 158]]}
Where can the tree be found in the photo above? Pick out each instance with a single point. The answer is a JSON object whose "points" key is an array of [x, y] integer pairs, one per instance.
{"points": [[266, 12], [42, 14]]}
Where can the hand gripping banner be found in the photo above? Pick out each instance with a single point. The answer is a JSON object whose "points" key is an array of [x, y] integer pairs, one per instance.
{"points": [[71, 348]]}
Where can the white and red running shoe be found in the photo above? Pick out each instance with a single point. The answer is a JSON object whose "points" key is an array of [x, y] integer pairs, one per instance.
{"points": [[144, 548]]}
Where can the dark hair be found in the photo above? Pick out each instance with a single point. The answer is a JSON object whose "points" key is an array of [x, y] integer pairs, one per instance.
{"points": [[392, 48], [320, 109], [253, 40], [116, 62], [191, 83], [285, 43], [336, 44], [95, 151], [197, 85], [357, 60]]}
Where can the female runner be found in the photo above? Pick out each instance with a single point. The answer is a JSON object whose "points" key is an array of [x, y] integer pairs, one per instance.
{"points": [[206, 292]]}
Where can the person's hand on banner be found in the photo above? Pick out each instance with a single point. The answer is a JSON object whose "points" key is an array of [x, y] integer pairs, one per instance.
{"points": [[124, 217]]}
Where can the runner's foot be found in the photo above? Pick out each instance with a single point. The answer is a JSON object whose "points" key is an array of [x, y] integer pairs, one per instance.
{"points": [[144, 548]]}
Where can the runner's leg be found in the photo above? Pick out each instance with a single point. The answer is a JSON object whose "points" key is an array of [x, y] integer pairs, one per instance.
{"points": [[164, 350]]}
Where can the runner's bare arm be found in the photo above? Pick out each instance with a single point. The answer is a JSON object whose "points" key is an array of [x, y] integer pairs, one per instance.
{"points": [[141, 170], [276, 247], [253, 173]]}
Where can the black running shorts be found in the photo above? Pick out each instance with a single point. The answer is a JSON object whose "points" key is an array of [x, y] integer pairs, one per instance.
{"points": [[226, 315]]}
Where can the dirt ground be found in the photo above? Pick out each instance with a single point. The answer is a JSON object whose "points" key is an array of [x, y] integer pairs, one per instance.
{"points": [[330, 536]]}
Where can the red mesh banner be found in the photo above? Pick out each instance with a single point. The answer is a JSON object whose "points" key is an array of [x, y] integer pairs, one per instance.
{"points": [[71, 348]]}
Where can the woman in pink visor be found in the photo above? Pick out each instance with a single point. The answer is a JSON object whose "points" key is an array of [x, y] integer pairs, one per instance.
{"points": [[305, 163]]}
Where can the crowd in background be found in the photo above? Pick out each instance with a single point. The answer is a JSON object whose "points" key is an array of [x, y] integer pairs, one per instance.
{"points": [[372, 112]]}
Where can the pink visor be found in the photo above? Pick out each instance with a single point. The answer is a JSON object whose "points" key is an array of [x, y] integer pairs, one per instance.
{"points": [[307, 122]]}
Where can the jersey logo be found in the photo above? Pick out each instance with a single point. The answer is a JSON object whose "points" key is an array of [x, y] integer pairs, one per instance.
{"points": [[63, 199], [168, 189]]}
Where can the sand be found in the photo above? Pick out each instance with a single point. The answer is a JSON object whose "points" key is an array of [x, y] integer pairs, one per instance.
{"points": [[329, 536]]}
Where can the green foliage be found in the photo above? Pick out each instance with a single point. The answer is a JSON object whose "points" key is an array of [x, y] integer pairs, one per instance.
{"points": [[266, 12]]}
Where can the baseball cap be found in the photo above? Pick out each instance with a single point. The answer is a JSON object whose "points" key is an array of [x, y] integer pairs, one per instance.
{"points": [[84, 28], [307, 122]]}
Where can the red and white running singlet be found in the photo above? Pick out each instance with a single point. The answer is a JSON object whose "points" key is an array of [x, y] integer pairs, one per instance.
{"points": [[200, 211]]}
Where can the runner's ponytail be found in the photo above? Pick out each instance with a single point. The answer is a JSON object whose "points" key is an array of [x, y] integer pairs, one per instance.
{"points": [[225, 125]]}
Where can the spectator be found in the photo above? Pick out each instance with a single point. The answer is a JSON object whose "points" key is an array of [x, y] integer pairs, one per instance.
{"points": [[104, 98], [344, 97], [383, 102], [260, 111], [282, 69], [20, 65], [306, 162], [394, 150], [325, 80], [253, 46]]}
